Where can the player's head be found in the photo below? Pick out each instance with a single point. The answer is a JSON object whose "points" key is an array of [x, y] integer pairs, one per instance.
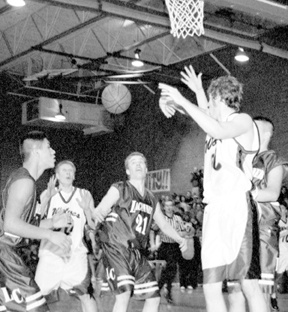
{"points": [[65, 172], [266, 128], [35, 144], [228, 89], [136, 165]]}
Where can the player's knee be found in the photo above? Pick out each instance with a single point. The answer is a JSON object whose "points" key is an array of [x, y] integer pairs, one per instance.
{"points": [[251, 288], [123, 297], [153, 301]]}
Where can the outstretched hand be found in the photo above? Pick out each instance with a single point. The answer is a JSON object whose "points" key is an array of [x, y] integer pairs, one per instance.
{"points": [[170, 100], [51, 187], [190, 78], [85, 199]]}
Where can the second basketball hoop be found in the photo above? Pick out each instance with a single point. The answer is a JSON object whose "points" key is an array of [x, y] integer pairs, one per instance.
{"points": [[186, 17]]}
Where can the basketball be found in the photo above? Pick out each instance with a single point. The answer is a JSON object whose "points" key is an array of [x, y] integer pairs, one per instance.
{"points": [[116, 98]]}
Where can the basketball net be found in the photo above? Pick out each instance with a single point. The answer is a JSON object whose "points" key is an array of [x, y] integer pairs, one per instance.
{"points": [[186, 17]]}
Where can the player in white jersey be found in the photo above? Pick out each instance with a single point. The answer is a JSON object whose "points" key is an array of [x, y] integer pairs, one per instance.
{"points": [[56, 269], [230, 235]]}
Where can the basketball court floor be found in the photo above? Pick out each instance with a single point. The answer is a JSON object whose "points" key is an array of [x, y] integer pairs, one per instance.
{"points": [[183, 302]]}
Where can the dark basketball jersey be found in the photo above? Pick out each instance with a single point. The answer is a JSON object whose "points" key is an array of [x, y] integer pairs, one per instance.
{"points": [[28, 211], [262, 165], [129, 221], [18, 290]]}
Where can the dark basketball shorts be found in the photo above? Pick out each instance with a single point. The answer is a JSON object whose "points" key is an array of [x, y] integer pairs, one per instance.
{"points": [[249, 256], [19, 291], [125, 269]]}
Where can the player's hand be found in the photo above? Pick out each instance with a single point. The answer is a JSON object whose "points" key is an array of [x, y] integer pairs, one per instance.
{"points": [[85, 199], [51, 187], [190, 78], [98, 216], [167, 110], [183, 245], [61, 240], [61, 220], [173, 97]]}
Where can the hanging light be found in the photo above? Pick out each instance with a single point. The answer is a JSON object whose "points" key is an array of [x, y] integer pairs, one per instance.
{"points": [[137, 62], [16, 3], [241, 56], [60, 116]]}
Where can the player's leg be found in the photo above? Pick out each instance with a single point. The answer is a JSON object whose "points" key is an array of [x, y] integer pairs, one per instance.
{"points": [[151, 305], [122, 301], [88, 303], [254, 295], [214, 297], [77, 277], [146, 286]]}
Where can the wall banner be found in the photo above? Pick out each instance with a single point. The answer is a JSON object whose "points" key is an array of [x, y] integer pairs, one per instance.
{"points": [[158, 180]]}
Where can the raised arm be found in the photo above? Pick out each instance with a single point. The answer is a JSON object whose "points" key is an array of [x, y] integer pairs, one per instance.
{"points": [[194, 83], [48, 194], [239, 125], [104, 207]]}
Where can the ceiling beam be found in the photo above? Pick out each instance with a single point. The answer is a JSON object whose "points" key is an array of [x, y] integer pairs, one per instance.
{"points": [[245, 43]]}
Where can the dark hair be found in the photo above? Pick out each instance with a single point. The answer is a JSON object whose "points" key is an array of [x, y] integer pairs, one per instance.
{"points": [[36, 136], [229, 89], [265, 119]]}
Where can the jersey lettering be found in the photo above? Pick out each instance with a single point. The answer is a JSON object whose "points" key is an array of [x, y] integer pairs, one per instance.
{"points": [[214, 165], [141, 224], [136, 206], [15, 295], [110, 274], [66, 210]]}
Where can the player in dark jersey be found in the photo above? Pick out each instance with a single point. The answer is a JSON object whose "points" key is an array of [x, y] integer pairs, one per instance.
{"points": [[127, 211], [269, 171], [18, 290]]}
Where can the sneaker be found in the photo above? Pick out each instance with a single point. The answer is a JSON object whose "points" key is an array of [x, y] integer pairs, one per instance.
{"points": [[274, 304], [190, 287], [182, 288]]}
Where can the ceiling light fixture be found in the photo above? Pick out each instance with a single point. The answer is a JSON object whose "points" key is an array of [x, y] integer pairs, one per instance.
{"points": [[16, 3], [137, 62], [241, 56], [60, 116]]}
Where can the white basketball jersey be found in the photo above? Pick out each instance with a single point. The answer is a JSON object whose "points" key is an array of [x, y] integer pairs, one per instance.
{"points": [[67, 202], [227, 166]]}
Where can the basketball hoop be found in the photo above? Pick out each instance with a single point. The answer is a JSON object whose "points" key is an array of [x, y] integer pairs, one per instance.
{"points": [[186, 17]]}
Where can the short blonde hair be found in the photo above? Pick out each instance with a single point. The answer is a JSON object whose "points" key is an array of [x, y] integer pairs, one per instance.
{"points": [[134, 154], [65, 162]]}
